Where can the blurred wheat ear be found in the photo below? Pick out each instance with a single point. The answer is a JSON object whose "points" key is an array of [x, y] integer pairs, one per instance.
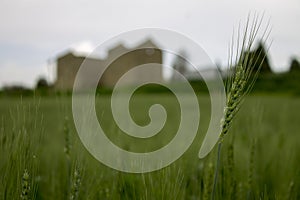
{"points": [[77, 176], [244, 67], [25, 186]]}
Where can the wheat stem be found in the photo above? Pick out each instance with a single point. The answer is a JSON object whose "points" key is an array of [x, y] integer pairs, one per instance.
{"points": [[240, 82], [216, 171]]}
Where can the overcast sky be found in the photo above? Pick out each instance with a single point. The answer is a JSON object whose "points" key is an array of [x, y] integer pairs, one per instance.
{"points": [[35, 31]]}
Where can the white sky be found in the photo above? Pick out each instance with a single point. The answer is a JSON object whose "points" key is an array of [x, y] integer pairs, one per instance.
{"points": [[32, 32]]}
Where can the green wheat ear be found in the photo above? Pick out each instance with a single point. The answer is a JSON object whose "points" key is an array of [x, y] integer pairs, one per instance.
{"points": [[243, 72], [76, 183], [25, 186], [244, 67], [67, 147], [209, 178]]}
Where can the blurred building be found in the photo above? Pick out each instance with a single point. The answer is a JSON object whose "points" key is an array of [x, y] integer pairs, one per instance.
{"points": [[118, 61], [208, 73]]}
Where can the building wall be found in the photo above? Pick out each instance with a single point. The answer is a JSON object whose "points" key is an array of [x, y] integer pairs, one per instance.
{"points": [[68, 66], [130, 60]]}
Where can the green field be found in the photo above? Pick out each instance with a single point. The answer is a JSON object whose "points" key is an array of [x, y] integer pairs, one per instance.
{"points": [[260, 158]]}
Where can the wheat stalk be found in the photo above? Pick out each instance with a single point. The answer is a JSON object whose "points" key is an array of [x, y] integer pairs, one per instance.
{"points": [[251, 169], [241, 64]]}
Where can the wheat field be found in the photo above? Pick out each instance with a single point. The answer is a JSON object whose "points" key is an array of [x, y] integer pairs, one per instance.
{"points": [[42, 157]]}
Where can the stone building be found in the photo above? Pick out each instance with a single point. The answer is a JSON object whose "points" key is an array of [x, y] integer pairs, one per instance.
{"points": [[118, 61]]}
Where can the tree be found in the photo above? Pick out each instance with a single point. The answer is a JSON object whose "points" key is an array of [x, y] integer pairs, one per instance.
{"points": [[258, 58], [180, 65], [295, 65], [42, 83]]}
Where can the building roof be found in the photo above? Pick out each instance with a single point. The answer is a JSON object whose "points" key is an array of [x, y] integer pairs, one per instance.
{"points": [[148, 43]]}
